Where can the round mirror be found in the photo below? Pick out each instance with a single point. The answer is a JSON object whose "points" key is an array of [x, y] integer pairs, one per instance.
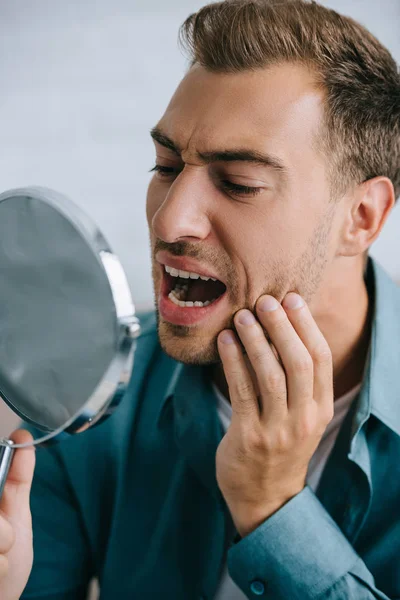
{"points": [[67, 320]]}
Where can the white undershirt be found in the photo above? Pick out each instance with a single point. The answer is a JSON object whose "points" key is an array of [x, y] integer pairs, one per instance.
{"points": [[228, 590]]}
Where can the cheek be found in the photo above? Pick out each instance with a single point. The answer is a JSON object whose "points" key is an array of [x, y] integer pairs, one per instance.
{"points": [[264, 251], [249, 241], [250, 236]]}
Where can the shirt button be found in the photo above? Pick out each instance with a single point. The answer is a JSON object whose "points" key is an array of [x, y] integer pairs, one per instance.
{"points": [[257, 587]]}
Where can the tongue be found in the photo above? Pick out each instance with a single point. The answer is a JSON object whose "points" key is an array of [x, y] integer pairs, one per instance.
{"points": [[202, 291]]}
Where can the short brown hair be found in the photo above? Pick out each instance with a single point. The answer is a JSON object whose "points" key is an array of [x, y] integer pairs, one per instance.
{"points": [[360, 78]]}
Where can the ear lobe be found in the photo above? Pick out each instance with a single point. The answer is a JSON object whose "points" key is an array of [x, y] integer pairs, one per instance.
{"points": [[370, 207]]}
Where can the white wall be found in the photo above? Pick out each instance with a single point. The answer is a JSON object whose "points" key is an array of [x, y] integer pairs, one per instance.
{"points": [[81, 85]]}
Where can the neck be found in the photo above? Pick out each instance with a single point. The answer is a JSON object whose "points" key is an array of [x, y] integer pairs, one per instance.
{"points": [[343, 313]]}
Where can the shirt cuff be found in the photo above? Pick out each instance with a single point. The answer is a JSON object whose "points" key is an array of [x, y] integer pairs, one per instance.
{"points": [[298, 552]]}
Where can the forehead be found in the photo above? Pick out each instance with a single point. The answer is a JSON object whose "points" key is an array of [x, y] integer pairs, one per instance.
{"points": [[279, 108]]}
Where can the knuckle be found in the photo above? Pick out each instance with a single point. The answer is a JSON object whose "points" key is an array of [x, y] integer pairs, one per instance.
{"points": [[256, 441], [302, 364], [275, 381], [269, 442], [281, 440], [244, 389], [304, 427], [322, 355]]}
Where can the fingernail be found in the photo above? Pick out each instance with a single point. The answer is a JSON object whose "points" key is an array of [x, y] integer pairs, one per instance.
{"points": [[267, 304], [227, 337], [292, 300], [246, 318]]}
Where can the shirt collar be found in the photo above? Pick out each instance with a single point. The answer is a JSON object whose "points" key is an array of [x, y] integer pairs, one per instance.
{"points": [[379, 394]]}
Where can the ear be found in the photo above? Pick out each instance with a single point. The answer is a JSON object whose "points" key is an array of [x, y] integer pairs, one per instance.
{"points": [[369, 207]]}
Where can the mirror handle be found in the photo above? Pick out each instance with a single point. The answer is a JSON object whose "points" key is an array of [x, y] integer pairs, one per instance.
{"points": [[6, 455]]}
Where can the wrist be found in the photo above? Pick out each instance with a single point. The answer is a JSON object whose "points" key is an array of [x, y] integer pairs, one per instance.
{"points": [[246, 519]]}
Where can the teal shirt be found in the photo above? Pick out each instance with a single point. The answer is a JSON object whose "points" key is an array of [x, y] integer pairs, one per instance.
{"points": [[135, 502]]}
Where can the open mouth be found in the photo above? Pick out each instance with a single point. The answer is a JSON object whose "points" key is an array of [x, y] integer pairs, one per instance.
{"points": [[191, 290]]}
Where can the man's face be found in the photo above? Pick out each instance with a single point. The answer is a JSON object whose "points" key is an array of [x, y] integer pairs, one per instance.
{"points": [[258, 227]]}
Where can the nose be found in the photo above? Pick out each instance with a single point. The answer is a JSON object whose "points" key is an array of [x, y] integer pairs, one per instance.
{"points": [[183, 211]]}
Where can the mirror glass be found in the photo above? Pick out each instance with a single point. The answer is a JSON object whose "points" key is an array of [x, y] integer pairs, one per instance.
{"points": [[67, 320]]}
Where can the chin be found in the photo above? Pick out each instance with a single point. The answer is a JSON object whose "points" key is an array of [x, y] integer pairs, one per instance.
{"points": [[180, 344]]}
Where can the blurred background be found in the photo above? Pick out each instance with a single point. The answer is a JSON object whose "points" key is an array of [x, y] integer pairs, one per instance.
{"points": [[82, 83]]}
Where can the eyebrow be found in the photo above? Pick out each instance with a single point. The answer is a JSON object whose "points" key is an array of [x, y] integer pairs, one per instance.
{"points": [[236, 154]]}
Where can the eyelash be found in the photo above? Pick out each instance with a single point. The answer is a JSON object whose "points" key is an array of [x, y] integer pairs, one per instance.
{"points": [[228, 185]]}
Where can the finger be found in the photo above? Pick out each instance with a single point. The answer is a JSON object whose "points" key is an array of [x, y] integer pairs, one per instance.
{"points": [[271, 377], [15, 498], [241, 390], [317, 346], [296, 360]]}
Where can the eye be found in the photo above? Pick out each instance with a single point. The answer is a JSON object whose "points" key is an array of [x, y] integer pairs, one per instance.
{"points": [[234, 188], [239, 190], [164, 171]]}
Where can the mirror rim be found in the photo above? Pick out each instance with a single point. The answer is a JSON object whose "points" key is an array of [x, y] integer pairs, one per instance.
{"points": [[109, 391]]}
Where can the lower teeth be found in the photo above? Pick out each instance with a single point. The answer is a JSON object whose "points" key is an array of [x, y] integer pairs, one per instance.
{"points": [[196, 304]]}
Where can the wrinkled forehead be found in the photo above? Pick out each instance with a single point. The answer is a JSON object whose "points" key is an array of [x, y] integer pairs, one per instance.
{"points": [[279, 108]]}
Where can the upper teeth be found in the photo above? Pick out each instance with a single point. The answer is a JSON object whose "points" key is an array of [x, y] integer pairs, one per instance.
{"points": [[186, 274]]}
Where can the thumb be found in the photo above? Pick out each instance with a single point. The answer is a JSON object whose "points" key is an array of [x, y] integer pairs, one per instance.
{"points": [[14, 503]]}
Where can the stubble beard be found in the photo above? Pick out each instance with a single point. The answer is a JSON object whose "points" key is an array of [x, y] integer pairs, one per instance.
{"points": [[197, 346]]}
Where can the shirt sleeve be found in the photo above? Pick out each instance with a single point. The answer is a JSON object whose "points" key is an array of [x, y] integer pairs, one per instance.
{"points": [[300, 553], [62, 566]]}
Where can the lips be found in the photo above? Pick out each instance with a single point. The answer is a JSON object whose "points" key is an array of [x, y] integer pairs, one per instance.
{"points": [[192, 314], [182, 315]]}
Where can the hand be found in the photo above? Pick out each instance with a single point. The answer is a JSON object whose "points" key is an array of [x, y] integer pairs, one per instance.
{"points": [[16, 551], [282, 401]]}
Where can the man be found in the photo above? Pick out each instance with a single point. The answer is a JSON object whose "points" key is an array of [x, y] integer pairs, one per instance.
{"points": [[255, 453]]}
